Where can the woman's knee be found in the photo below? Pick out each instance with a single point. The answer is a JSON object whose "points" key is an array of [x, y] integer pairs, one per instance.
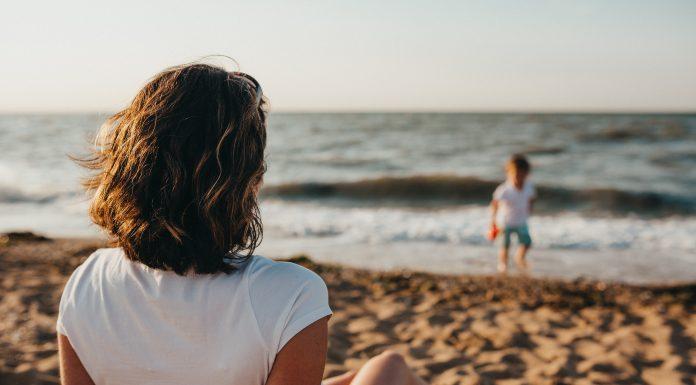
{"points": [[391, 359]]}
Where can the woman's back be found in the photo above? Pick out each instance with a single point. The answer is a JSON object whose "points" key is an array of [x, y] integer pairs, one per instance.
{"points": [[131, 324], [176, 182]]}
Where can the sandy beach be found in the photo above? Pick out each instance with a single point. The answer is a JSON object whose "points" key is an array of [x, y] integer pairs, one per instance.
{"points": [[405, 151], [451, 329]]}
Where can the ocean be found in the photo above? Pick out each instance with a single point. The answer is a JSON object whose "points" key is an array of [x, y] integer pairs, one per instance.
{"points": [[617, 193]]}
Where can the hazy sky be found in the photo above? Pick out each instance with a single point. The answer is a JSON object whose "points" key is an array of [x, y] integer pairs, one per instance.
{"points": [[360, 54]]}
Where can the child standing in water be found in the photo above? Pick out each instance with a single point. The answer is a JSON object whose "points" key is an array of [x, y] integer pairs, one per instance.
{"points": [[514, 199]]}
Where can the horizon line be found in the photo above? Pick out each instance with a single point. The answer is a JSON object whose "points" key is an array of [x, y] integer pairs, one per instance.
{"points": [[405, 111]]}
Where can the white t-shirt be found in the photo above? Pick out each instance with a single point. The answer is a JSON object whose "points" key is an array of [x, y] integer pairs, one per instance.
{"points": [[514, 203], [130, 324]]}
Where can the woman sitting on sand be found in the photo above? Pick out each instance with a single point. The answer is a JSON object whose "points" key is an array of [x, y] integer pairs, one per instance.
{"points": [[181, 300]]}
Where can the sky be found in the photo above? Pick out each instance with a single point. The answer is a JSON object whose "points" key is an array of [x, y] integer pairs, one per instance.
{"points": [[360, 55]]}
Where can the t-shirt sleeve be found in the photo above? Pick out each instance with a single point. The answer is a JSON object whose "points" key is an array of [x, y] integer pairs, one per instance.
{"points": [[286, 298], [308, 305], [66, 309]]}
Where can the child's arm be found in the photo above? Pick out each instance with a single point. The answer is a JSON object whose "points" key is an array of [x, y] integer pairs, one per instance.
{"points": [[532, 197], [494, 212]]}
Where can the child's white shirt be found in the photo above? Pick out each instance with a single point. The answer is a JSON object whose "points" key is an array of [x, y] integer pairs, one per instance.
{"points": [[513, 203]]}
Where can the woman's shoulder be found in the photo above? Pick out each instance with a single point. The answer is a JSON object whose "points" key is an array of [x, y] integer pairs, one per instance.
{"points": [[84, 281], [265, 271], [285, 298], [261, 274], [96, 261], [280, 282]]}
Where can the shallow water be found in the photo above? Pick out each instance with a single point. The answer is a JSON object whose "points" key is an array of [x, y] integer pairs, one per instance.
{"points": [[609, 185]]}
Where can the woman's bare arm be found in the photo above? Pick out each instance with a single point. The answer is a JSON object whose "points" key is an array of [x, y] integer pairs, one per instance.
{"points": [[302, 359], [72, 372]]}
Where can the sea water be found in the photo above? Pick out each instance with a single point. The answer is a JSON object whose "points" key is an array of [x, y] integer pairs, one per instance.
{"points": [[617, 193]]}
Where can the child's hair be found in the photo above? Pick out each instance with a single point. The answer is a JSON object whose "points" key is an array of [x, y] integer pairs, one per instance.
{"points": [[179, 168], [519, 162]]}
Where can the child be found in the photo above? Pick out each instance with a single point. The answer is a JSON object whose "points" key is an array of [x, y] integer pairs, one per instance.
{"points": [[514, 198]]}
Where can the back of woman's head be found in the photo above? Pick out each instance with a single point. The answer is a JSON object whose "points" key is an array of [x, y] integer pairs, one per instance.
{"points": [[179, 168]]}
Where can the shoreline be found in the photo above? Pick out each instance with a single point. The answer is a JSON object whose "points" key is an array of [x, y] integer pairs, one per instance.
{"points": [[475, 261], [15, 238], [442, 241], [452, 329]]}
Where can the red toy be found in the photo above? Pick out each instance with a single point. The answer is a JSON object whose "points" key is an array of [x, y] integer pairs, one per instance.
{"points": [[493, 232]]}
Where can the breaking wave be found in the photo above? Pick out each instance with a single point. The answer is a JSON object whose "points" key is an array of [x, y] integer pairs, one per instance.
{"points": [[442, 190]]}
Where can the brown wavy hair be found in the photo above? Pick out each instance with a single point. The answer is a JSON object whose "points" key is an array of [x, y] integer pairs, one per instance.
{"points": [[178, 170]]}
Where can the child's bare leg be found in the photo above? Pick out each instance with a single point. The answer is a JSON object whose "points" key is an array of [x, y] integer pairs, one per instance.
{"points": [[521, 257], [503, 260], [388, 368]]}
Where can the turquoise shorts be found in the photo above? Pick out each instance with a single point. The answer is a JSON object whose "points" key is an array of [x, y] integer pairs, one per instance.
{"points": [[522, 233]]}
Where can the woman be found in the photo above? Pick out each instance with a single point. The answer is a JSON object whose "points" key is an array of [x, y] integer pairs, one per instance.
{"points": [[181, 299]]}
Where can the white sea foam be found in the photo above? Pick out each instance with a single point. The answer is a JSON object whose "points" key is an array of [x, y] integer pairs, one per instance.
{"points": [[39, 188], [467, 226]]}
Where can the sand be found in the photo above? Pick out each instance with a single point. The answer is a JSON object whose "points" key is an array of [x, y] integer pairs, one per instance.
{"points": [[451, 329]]}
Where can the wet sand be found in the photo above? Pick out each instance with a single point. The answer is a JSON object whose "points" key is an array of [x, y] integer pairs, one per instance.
{"points": [[451, 329]]}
